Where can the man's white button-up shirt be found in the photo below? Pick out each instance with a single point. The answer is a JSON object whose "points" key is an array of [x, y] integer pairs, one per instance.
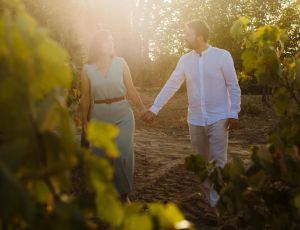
{"points": [[212, 86]]}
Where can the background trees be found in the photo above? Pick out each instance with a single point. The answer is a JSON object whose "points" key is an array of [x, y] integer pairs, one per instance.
{"points": [[149, 33]]}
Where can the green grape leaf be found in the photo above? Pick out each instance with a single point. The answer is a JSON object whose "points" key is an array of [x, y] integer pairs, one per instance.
{"points": [[281, 100], [134, 222], [102, 135], [249, 58], [238, 28], [14, 200]]}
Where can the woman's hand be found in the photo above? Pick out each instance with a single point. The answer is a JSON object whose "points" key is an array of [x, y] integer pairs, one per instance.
{"points": [[149, 117], [84, 125], [142, 111]]}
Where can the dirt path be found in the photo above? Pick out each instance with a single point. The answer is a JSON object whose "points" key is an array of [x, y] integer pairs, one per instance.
{"points": [[160, 150], [161, 177]]}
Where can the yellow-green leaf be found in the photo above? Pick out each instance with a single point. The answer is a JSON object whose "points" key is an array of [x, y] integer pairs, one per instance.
{"points": [[102, 135]]}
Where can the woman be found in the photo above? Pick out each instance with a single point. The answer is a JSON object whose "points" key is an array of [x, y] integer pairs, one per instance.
{"points": [[106, 83]]}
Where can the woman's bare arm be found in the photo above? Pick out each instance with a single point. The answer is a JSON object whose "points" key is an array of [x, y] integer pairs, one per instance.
{"points": [[132, 93], [85, 98]]}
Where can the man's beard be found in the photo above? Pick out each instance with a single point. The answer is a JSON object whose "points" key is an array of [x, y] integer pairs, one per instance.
{"points": [[189, 45]]}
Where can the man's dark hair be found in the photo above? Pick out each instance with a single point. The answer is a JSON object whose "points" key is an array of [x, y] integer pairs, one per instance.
{"points": [[200, 27]]}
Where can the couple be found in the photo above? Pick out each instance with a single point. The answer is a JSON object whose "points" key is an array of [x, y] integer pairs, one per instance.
{"points": [[213, 94]]}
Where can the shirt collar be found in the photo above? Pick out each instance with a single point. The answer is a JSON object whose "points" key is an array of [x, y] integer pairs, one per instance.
{"points": [[203, 52]]}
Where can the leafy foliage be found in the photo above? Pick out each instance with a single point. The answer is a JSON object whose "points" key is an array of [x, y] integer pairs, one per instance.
{"points": [[264, 194], [38, 148]]}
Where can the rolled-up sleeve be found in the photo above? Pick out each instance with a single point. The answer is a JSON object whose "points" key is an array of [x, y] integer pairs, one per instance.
{"points": [[232, 84], [172, 85]]}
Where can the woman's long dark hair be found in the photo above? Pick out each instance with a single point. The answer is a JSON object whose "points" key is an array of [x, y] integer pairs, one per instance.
{"points": [[97, 40]]}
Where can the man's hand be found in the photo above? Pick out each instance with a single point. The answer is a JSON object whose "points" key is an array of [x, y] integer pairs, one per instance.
{"points": [[149, 117], [231, 123]]}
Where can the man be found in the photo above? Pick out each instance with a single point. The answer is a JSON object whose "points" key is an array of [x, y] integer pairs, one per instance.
{"points": [[213, 94]]}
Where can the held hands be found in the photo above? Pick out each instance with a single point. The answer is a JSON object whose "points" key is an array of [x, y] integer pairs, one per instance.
{"points": [[148, 117], [231, 123]]}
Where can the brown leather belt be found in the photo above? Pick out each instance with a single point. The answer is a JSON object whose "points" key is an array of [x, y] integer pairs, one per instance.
{"points": [[110, 100]]}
